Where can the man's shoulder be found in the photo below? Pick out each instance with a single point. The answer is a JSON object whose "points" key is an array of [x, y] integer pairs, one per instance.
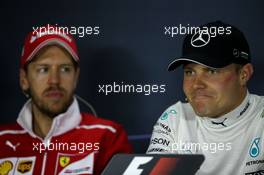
{"points": [[257, 98], [88, 118], [94, 122], [178, 110], [179, 105], [13, 129], [10, 126], [258, 104], [175, 114]]}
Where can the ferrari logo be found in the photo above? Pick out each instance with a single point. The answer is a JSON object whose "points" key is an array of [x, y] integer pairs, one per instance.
{"points": [[64, 161]]}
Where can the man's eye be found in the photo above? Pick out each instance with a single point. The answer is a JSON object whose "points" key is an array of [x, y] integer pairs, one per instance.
{"points": [[42, 70], [212, 71], [188, 72], [66, 69]]}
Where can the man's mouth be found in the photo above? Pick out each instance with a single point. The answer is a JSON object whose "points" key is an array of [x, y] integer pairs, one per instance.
{"points": [[201, 96], [54, 94]]}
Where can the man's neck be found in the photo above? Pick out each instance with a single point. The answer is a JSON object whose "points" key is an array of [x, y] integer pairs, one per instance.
{"points": [[41, 123]]}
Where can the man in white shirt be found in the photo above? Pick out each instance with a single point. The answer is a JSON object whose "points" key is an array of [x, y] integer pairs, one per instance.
{"points": [[221, 119]]}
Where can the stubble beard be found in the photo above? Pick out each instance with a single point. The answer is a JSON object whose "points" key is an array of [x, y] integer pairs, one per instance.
{"points": [[47, 108]]}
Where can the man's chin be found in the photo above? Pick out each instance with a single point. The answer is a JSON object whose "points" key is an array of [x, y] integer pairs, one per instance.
{"points": [[202, 111], [52, 106], [201, 114], [54, 109], [52, 113], [205, 113]]}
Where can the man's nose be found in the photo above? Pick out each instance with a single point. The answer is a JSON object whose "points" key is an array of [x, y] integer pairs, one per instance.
{"points": [[54, 77], [199, 82]]}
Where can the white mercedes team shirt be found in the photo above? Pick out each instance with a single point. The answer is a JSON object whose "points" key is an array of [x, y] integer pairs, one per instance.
{"points": [[232, 144]]}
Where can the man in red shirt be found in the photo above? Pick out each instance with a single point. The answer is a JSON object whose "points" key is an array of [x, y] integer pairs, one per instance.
{"points": [[51, 136]]}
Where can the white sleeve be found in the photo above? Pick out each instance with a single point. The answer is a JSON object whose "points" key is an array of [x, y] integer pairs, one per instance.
{"points": [[164, 133]]}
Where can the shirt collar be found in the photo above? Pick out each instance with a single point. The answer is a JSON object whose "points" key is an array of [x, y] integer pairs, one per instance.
{"points": [[229, 118], [61, 123]]}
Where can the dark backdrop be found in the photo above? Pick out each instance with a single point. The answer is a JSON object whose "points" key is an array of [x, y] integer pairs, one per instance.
{"points": [[130, 48]]}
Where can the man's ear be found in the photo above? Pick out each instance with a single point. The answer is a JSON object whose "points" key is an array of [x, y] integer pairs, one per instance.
{"points": [[23, 80], [246, 73]]}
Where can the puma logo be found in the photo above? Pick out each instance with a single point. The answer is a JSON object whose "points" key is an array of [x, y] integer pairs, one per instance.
{"points": [[8, 143], [220, 123]]}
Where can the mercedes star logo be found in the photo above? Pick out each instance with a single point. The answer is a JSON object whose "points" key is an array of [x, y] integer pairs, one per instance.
{"points": [[200, 38]]}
